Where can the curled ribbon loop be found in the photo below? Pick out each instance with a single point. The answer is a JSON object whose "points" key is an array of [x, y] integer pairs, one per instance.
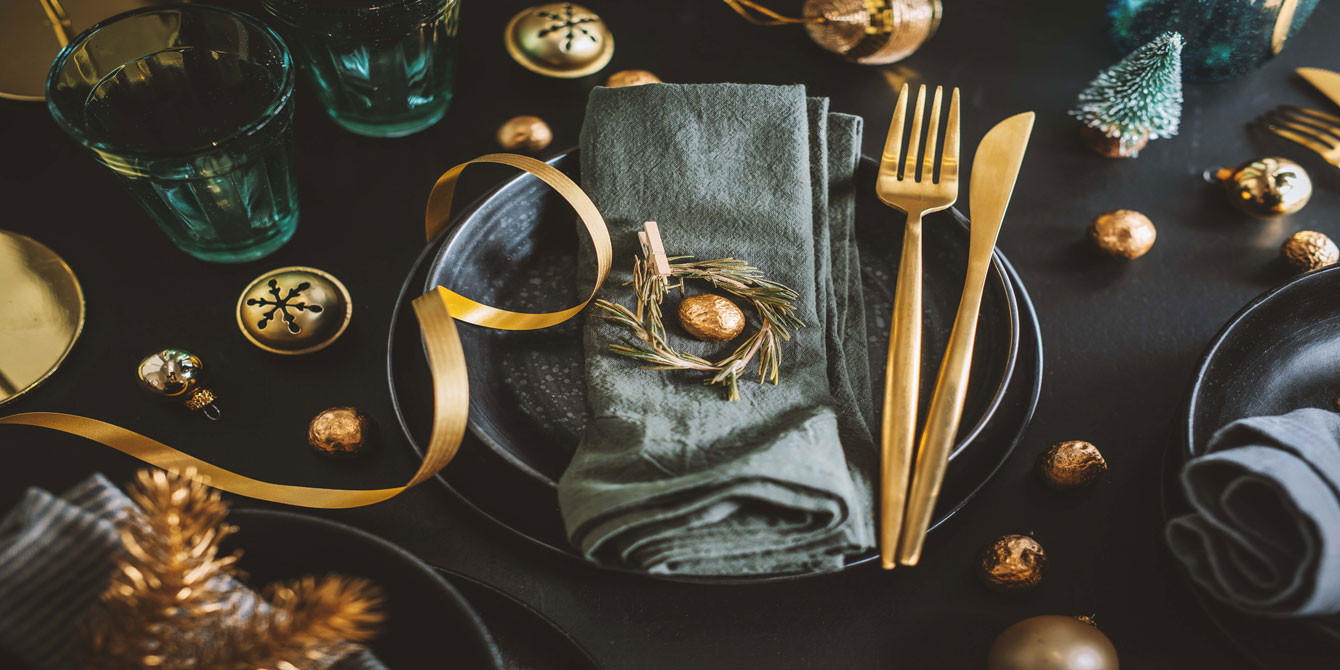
{"points": [[446, 361]]}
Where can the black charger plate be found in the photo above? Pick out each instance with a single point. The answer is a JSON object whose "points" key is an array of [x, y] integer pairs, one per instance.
{"points": [[427, 618], [1279, 353], [523, 438]]}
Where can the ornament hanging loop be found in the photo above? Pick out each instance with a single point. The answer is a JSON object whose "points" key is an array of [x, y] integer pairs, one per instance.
{"points": [[769, 17]]}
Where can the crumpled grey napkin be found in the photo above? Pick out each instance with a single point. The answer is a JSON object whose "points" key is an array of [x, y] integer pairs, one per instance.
{"points": [[57, 555], [669, 476], [1265, 534]]}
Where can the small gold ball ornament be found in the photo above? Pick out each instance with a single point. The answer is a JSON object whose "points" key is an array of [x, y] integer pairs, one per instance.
{"points": [[1267, 187], [526, 134], [176, 373], [1013, 563], [872, 32], [631, 78], [1052, 642], [1310, 250], [294, 310], [339, 431], [1071, 464], [1124, 233], [711, 318], [559, 39]]}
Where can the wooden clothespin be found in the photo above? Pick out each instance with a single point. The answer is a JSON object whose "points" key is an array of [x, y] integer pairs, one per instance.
{"points": [[654, 249]]}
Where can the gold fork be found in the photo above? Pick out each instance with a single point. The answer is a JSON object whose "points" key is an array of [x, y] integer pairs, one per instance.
{"points": [[1311, 128], [916, 197]]}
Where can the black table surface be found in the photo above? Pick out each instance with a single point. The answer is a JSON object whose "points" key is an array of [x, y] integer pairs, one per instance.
{"points": [[1121, 338]]}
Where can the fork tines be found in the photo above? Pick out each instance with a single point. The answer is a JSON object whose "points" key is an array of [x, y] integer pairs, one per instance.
{"points": [[1314, 129]]}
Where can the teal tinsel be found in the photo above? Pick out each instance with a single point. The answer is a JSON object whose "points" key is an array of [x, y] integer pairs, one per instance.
{"points": [[1139, 97]]}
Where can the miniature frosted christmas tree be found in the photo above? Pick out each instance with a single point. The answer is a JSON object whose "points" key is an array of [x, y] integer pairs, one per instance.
{"points": [[1137, 100]]}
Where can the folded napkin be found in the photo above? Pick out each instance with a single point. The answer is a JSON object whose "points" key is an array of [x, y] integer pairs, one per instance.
{"points": [[669, 476], [57, 555], [1264, 536]]}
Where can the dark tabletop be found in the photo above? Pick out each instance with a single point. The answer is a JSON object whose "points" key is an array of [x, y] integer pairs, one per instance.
{"points": [[1121, 338]]}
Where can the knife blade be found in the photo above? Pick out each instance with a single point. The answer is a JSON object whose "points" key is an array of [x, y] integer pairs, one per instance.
{"points": [[995, 168], [1326, 81]]}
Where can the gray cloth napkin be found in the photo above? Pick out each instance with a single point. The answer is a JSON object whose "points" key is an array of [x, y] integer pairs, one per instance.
{"points": [[1265, 534], [669, 476], [57, 555]]}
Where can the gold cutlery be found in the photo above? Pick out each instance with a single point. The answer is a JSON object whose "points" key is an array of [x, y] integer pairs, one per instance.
{"points": [[1311, 128], [1326, 81], [916, 197], [995, 167]]}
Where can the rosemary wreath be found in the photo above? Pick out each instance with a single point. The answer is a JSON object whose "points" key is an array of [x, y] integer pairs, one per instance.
{"points": [[775, 304]]}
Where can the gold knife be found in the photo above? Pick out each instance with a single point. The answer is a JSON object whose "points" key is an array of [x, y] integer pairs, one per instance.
{"points": [[995, 167], [1326, 81]]}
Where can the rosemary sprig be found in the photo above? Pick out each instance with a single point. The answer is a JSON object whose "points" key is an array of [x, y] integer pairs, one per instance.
{"points": [[774, 302]]}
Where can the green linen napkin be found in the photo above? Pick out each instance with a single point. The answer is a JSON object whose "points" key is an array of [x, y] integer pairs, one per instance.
{"points": [[669, 476]]}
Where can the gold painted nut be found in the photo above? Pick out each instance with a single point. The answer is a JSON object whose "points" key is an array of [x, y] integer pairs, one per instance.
{"points": [[526, 134], [711, 318], [1310, 250], [559, 39], [631, 78], [1125, 233], [1012, 563], [294, 310], [339, 431]]}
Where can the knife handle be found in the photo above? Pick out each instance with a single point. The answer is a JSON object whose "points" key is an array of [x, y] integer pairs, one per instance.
{"points": [[902, 379], [946, 411]]}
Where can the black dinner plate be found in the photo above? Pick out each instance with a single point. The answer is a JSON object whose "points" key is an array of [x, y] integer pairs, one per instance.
{"points": [[524, 500], [1279, 353], [427, 618]]}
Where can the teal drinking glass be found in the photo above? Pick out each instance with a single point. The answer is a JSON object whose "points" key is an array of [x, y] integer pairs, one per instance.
{"points": [[192, 108], [382, 68]]}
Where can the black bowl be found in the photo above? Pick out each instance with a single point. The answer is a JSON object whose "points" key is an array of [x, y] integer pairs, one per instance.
{"points": [[429, 623]]}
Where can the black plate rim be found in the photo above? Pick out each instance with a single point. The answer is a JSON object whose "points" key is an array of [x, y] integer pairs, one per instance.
{"points": [[450, 574], [455, 231], [1202, 367], [478, 630]]}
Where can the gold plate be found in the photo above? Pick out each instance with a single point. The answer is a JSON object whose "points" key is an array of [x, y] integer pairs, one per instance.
{"points": [[41, 313], [32, 32]]}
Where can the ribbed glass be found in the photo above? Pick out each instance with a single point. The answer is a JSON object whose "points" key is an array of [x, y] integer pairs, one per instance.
{"points": [[191, 107]]}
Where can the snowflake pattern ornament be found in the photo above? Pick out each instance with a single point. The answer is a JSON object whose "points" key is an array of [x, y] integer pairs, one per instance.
{"points": [[294, 310], [559, 39], [1137, 100]]}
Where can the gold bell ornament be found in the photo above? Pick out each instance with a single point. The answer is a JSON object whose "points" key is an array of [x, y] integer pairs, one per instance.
{"points": [[1266, 187], [1052, 643], [870, 32], [175, 373], [559, 39], [294, 310]]}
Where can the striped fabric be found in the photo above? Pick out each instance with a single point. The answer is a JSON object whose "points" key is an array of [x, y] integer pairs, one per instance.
{"points": [[56, 557]]}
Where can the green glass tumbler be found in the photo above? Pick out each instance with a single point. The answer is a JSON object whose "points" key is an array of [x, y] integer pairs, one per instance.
{"points": [[382, 68], [191, 107]]}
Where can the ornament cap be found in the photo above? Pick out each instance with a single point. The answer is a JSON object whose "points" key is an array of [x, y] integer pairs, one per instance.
{"points": [[559, 39], [294, 310]]}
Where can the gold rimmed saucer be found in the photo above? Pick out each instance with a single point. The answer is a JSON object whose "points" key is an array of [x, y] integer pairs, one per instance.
{"points": [[41, 313]]}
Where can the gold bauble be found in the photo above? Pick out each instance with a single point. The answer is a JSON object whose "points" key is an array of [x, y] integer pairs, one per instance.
{"points": [[294, 310], [1111, 147], [1125, 233], [1071, 464], [559, 39], [526, 134], [711, 318], [339, 431], [176, 373], [1012, 563], [1309, 250], [631, 78], [1052, 643], [1267, 187], [872, 32]]}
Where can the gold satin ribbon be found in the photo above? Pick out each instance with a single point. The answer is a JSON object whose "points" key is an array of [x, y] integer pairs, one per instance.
{"points": [[446, 362]]}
